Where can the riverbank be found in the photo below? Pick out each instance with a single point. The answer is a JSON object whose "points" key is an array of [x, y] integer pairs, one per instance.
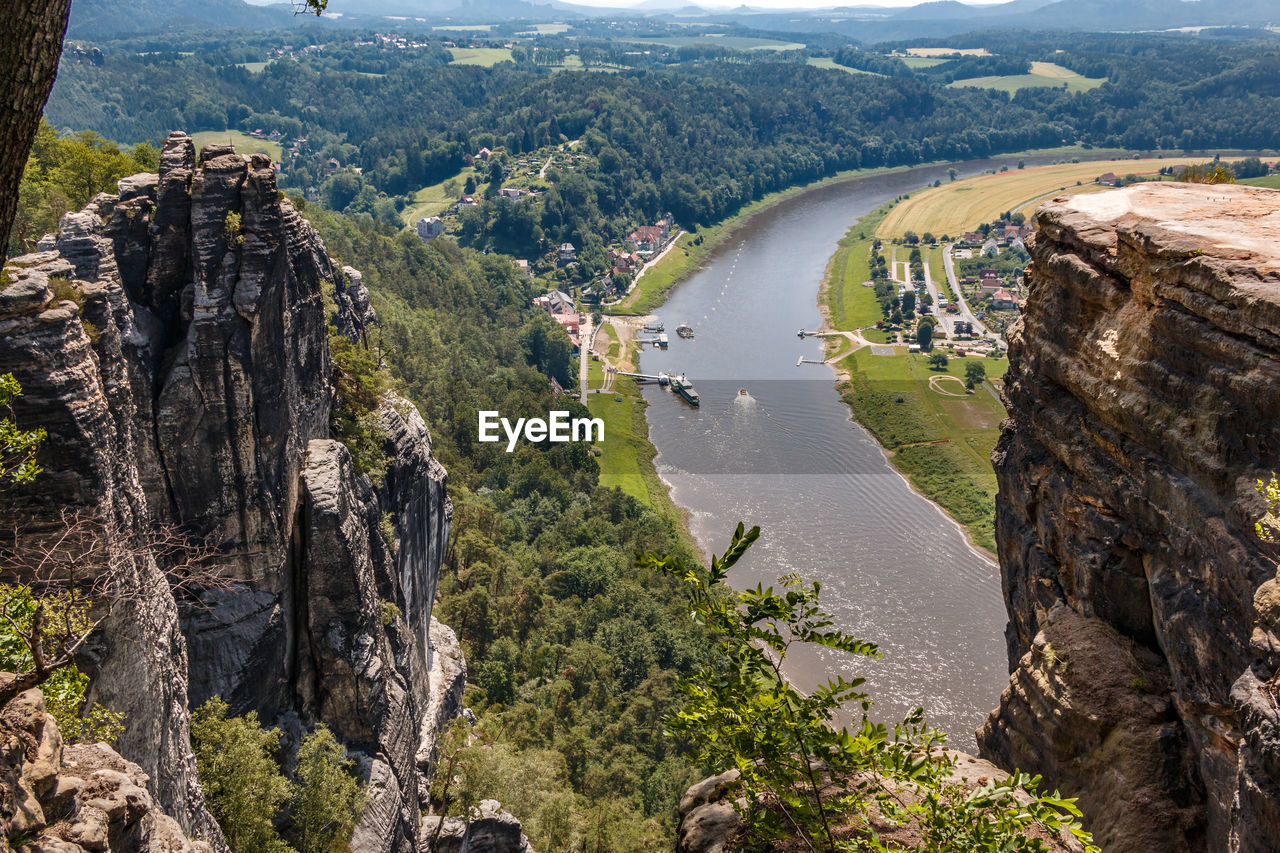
{"points": [[935, 432], [689, 252], [626, 455]]}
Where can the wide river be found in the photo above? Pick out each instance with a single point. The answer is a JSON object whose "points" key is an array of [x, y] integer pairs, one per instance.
{"points": [[894, 569]]}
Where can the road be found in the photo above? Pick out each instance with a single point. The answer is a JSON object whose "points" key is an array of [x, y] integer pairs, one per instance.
{"points": [[586, 336], [966, 313]]}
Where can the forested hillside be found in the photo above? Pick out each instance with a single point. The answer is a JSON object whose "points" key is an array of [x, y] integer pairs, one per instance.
{"points": [[698, 140]]}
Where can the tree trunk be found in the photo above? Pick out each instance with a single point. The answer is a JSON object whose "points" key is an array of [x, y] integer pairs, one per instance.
{"points": [[31, 34]]}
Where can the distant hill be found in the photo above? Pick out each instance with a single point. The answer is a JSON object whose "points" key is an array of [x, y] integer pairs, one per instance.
{"points": [[936, 19]]}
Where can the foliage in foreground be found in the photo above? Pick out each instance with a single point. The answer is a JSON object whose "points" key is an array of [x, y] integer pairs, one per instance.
{"points": [[803, 776], [251, 797], [53, 626]]}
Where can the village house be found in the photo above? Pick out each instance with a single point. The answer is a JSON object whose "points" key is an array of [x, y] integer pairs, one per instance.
{"points": [[989, 283], [1108, 179], [646, 238], [990, 248], [483, 154], [555, 303], [1002, 299], [567, 253], [623, 262], [523, 266], [332, 166], [511, 192], [430, 227], [468, 201]]}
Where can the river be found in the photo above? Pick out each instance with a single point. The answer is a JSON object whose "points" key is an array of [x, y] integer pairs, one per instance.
{"points": [[895, 570]]}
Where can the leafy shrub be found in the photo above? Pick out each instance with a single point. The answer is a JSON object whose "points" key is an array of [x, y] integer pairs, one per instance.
{"points": [[64, 690], [800, 775]]}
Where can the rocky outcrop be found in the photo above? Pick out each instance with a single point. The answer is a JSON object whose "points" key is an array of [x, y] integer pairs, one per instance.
{"points": [[174, 343], [491, 830], [1144, 395], [56, 798]]}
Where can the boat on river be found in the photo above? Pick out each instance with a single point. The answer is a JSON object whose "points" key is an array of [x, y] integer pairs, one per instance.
{"points": [[682, 386], [684, 330]]}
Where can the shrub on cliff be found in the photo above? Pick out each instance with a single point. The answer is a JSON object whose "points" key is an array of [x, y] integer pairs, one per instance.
{"points": [[803, 777], [252, 798]]}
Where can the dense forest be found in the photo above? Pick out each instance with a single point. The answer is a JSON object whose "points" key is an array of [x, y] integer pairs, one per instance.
{"points": [[699, 140]]}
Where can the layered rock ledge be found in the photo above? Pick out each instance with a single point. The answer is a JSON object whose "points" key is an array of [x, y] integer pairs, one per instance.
{"points": [[1144, 401]]}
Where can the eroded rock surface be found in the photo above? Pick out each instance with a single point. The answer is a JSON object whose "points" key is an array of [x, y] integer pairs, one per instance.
{"points": [[1144, 402], [84, 798], [173, 341]]}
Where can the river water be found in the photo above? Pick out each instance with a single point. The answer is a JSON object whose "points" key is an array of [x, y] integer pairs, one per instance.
{"points": [[894, 569]]}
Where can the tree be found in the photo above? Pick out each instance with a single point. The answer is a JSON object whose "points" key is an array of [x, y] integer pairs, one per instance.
{"points": [[17, 446], [975, 372], [799, 774], [66, 579], [242, 782], [327, 799], [951, 173], [938, 361], [909, 303], [924, 332]]}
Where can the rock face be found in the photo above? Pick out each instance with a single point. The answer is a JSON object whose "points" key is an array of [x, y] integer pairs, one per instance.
{"points": [[183, 372], [1144, 400], [493, 830], [56, 798]]}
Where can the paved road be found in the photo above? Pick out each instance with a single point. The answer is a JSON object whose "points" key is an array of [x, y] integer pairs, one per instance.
{"points": [[586, 336], [966, 313]]}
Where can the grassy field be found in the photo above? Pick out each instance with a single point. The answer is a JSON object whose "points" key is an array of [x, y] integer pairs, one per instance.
{"points": [[846, 303], [829, 63], [255, 67], [921, 61], [1272, 181], [485, 57], [545, 30], [626, 456], [1042, 74], [244, 143], [938, 272], [891, 396], [433, 200], [956, 207], [941, 442]]}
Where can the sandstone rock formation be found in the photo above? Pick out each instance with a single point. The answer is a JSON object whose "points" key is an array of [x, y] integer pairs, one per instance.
{"points": [[74, 799], [174, 343], [1144, 395], [493, 830]]}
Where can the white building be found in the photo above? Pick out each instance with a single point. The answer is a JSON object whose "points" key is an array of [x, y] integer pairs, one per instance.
{"points": [[430, 227]]}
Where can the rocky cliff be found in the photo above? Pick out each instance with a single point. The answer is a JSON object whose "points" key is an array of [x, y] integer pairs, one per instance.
{"points": [[1144, 401], [173, 341], [73, 799]]}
